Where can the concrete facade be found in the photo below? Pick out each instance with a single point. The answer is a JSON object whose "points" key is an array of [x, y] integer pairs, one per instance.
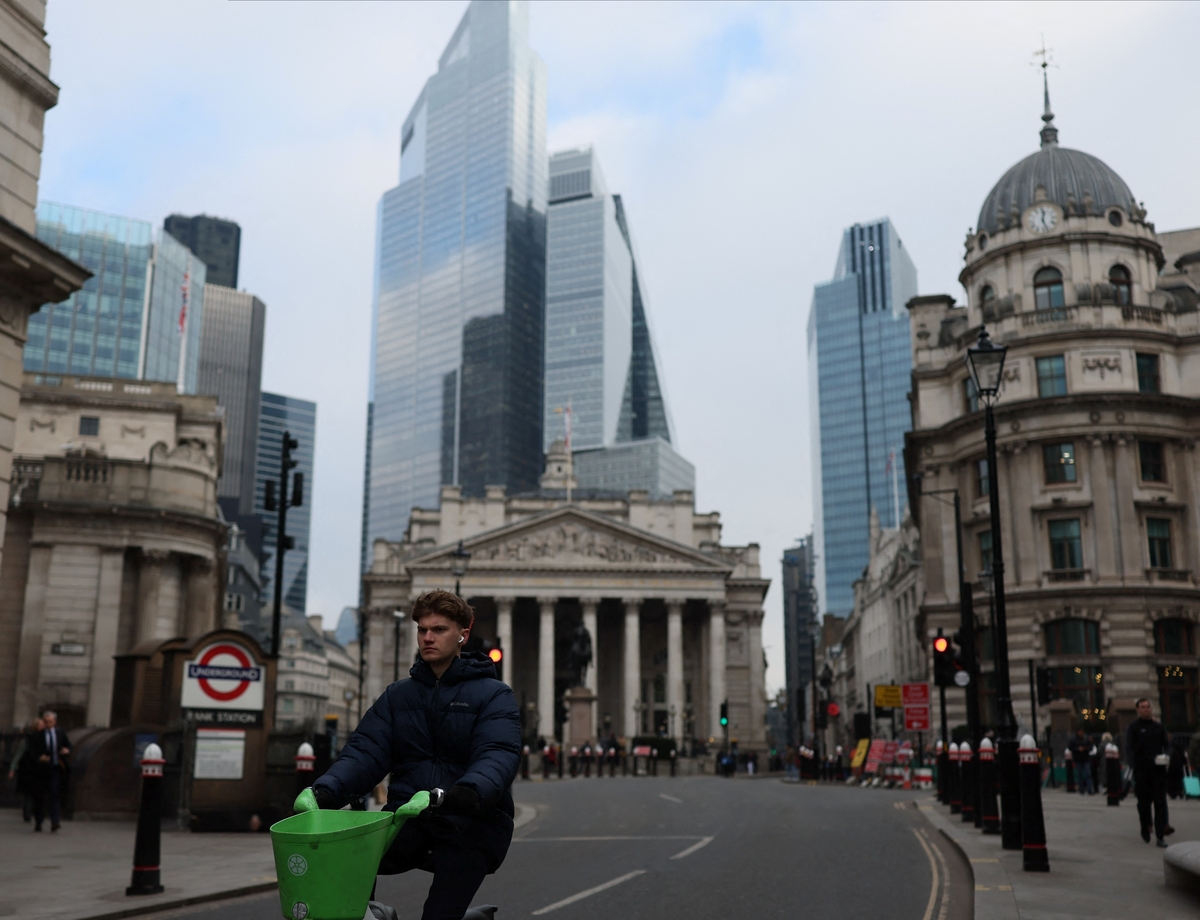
{"points": [[114, 538]]}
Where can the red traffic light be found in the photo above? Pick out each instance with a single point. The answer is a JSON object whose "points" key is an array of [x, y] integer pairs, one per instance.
{"points": [[833, 709], [496, 655], [940, 644]]}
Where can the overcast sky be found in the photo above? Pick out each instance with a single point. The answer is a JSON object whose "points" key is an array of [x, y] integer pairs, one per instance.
{"points": [[742, 137]]}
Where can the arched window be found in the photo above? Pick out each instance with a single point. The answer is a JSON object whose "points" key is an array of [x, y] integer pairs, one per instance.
{"points": [[1174, 637], [1118, 277], [1073, 637], [987, 294], [1048, 289]]}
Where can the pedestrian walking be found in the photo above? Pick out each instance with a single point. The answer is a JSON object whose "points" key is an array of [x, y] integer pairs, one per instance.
{"points": [[51, 751], [1177, 767], [1080, 749], [1146, 741], [22, 768]]}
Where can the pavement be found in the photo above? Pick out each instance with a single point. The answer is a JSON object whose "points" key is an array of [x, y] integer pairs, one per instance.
{"points": [[1099, 867], [697, 847]]}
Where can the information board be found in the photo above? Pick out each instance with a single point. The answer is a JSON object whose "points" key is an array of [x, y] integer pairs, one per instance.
{"points": [[220, 753], [875, 755], [916, 719], [915, 694], [860, 753], [888, 696]]}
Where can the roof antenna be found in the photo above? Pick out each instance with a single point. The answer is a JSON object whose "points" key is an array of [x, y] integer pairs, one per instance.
{"points": [[1049, 132]]}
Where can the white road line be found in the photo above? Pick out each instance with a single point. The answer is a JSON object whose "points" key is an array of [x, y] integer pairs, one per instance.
{"points": [[577, 839], [670, 798], [591, 891], [693, 848], [933, 888]]}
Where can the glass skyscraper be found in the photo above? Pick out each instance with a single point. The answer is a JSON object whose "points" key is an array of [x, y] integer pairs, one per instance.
{"points": [[141, 309], [860, 366], [460, 278], [278, 414]]}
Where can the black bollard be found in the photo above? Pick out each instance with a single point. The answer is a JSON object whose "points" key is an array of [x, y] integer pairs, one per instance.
{"points": [[966, 765], [1112, 762], [1069, 763], [989, 809], [1033, 825], [558, 758], [574, 762], [149, 827], [943, 770], [954, 781], [525, 762], [546, 762], [1009, 766], [305, 762], [612, 763], [672, 761]]}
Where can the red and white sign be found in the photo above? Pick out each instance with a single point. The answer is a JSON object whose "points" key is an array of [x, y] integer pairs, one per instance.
{"points": [[917, 719], [889, 752], [224, 675], [875, 755], [915, 694]]}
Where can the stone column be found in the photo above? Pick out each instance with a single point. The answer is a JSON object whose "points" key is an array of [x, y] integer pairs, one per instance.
{"points": [[716, 676], [504, 635], [33, 619], [592, 681], [633, 665], [149, 582], [758, 703], [675, 666], [545, 697], [104, 635], [201, 613]]}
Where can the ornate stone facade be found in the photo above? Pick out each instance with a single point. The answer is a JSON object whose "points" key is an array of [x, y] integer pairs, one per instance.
{"points": [[1097, 424], [113, 537], [675, 617]]}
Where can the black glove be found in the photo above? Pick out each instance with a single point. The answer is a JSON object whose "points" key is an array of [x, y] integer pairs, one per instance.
{"points": [[461, 800], [323, 796]]}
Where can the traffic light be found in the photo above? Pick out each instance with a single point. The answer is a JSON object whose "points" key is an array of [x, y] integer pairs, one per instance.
{"points": [[725, 713], [269, 495], [1044, 692], [943, 661], [496, 654], [297, 490]]}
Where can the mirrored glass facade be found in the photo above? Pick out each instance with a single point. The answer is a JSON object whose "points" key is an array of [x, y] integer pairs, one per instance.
{"points": [[652, 464], [860, 366], [460, 278], [141, 309], [278, 414]]}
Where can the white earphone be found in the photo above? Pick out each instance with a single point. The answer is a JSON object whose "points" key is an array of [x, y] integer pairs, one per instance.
{"points": [[462, 639]]}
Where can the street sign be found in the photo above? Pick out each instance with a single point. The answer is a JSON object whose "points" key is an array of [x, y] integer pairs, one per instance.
{"points": [[889, 752], [223, 675], [915, 694], [962, 678], [917, 719], [874, 755], [834, 710], [220, 753], [888, 696], [860, 753]]}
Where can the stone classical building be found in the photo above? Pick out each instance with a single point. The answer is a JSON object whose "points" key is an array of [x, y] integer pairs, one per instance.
{"points": [[1097, 424], [31, 273], [113, 537], [675, 617]]}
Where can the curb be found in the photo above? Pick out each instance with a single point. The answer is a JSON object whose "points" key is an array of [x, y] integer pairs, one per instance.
{"points": [[182, 902], [994, 895]]}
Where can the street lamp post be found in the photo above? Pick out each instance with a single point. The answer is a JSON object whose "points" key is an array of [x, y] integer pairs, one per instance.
{"points": [[985, 363], [459, 560]]}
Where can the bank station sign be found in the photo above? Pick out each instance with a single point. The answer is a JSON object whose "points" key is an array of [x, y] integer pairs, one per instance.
{"points": [[223, 685]]}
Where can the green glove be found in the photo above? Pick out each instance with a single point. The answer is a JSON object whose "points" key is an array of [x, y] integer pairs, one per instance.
{"points": [[305, 801]]}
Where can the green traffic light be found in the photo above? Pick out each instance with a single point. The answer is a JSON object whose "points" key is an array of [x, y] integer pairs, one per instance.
{"points": [[724, 721]]}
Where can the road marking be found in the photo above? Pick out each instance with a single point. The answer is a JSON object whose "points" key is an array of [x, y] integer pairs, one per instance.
{"points": [[670, 798], [577, 839], [587, 894], [985, 860], [945, 879], [693, 848], [933, 889]]}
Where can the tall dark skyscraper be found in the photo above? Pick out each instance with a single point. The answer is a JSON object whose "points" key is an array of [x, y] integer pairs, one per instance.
{"points": [[460, 278], [215, 242], [799, 615], [860, 365]]}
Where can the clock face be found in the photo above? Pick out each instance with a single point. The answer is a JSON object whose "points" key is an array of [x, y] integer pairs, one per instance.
{"points": [[1042, 220]]}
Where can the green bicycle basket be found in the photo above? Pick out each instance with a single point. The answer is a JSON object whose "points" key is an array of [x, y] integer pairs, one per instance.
{"points": [[326, 861]]}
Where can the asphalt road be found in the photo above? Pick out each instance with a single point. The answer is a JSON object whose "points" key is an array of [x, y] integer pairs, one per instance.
{"points": [[701, 847]]}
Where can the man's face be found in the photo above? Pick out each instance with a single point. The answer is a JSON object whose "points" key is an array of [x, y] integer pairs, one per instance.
{"points": [[1144, 710], [50, 719], [440, 638]]}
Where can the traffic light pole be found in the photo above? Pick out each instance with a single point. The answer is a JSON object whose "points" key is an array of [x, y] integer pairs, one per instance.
{"points": [[286, 463]]}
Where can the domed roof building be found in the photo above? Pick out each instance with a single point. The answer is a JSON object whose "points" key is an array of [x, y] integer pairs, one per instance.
{"points": [[1097, 423]]}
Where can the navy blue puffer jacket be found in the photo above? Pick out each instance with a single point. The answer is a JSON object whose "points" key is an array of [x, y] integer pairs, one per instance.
{"points": [[462, 729]]}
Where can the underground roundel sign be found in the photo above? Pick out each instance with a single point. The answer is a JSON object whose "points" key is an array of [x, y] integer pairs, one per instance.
{"points": [[223, 675]]}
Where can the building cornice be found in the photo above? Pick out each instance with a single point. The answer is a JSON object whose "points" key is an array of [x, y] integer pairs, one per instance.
{"points": [[1000, 253]]}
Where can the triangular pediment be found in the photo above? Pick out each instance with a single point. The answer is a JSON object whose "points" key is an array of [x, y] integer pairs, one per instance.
{"points": [[572, 538]]}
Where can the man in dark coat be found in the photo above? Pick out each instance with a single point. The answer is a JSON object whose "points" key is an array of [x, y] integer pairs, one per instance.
{"points": [[451, 726], [51, 751], [1146, 740]]}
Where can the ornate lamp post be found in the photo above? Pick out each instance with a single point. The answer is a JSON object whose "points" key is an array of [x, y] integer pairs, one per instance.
{"points": [[985, 363], [459, 560]]}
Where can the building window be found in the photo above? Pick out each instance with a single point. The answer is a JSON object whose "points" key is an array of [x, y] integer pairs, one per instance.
{"points": [[229, 601], [1118, 277], [289, 685], [1150, 453], [1178, 694], [89, 425], [983, 485], [1060, 462], [1174, 637], [1114, 218], [1052, 376], [972, 395], [288, 704], [1158, 532], [1085, 685], [1072, 637], [1066, 551], [985, 549], [1048, 289], [1147, 370]]}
